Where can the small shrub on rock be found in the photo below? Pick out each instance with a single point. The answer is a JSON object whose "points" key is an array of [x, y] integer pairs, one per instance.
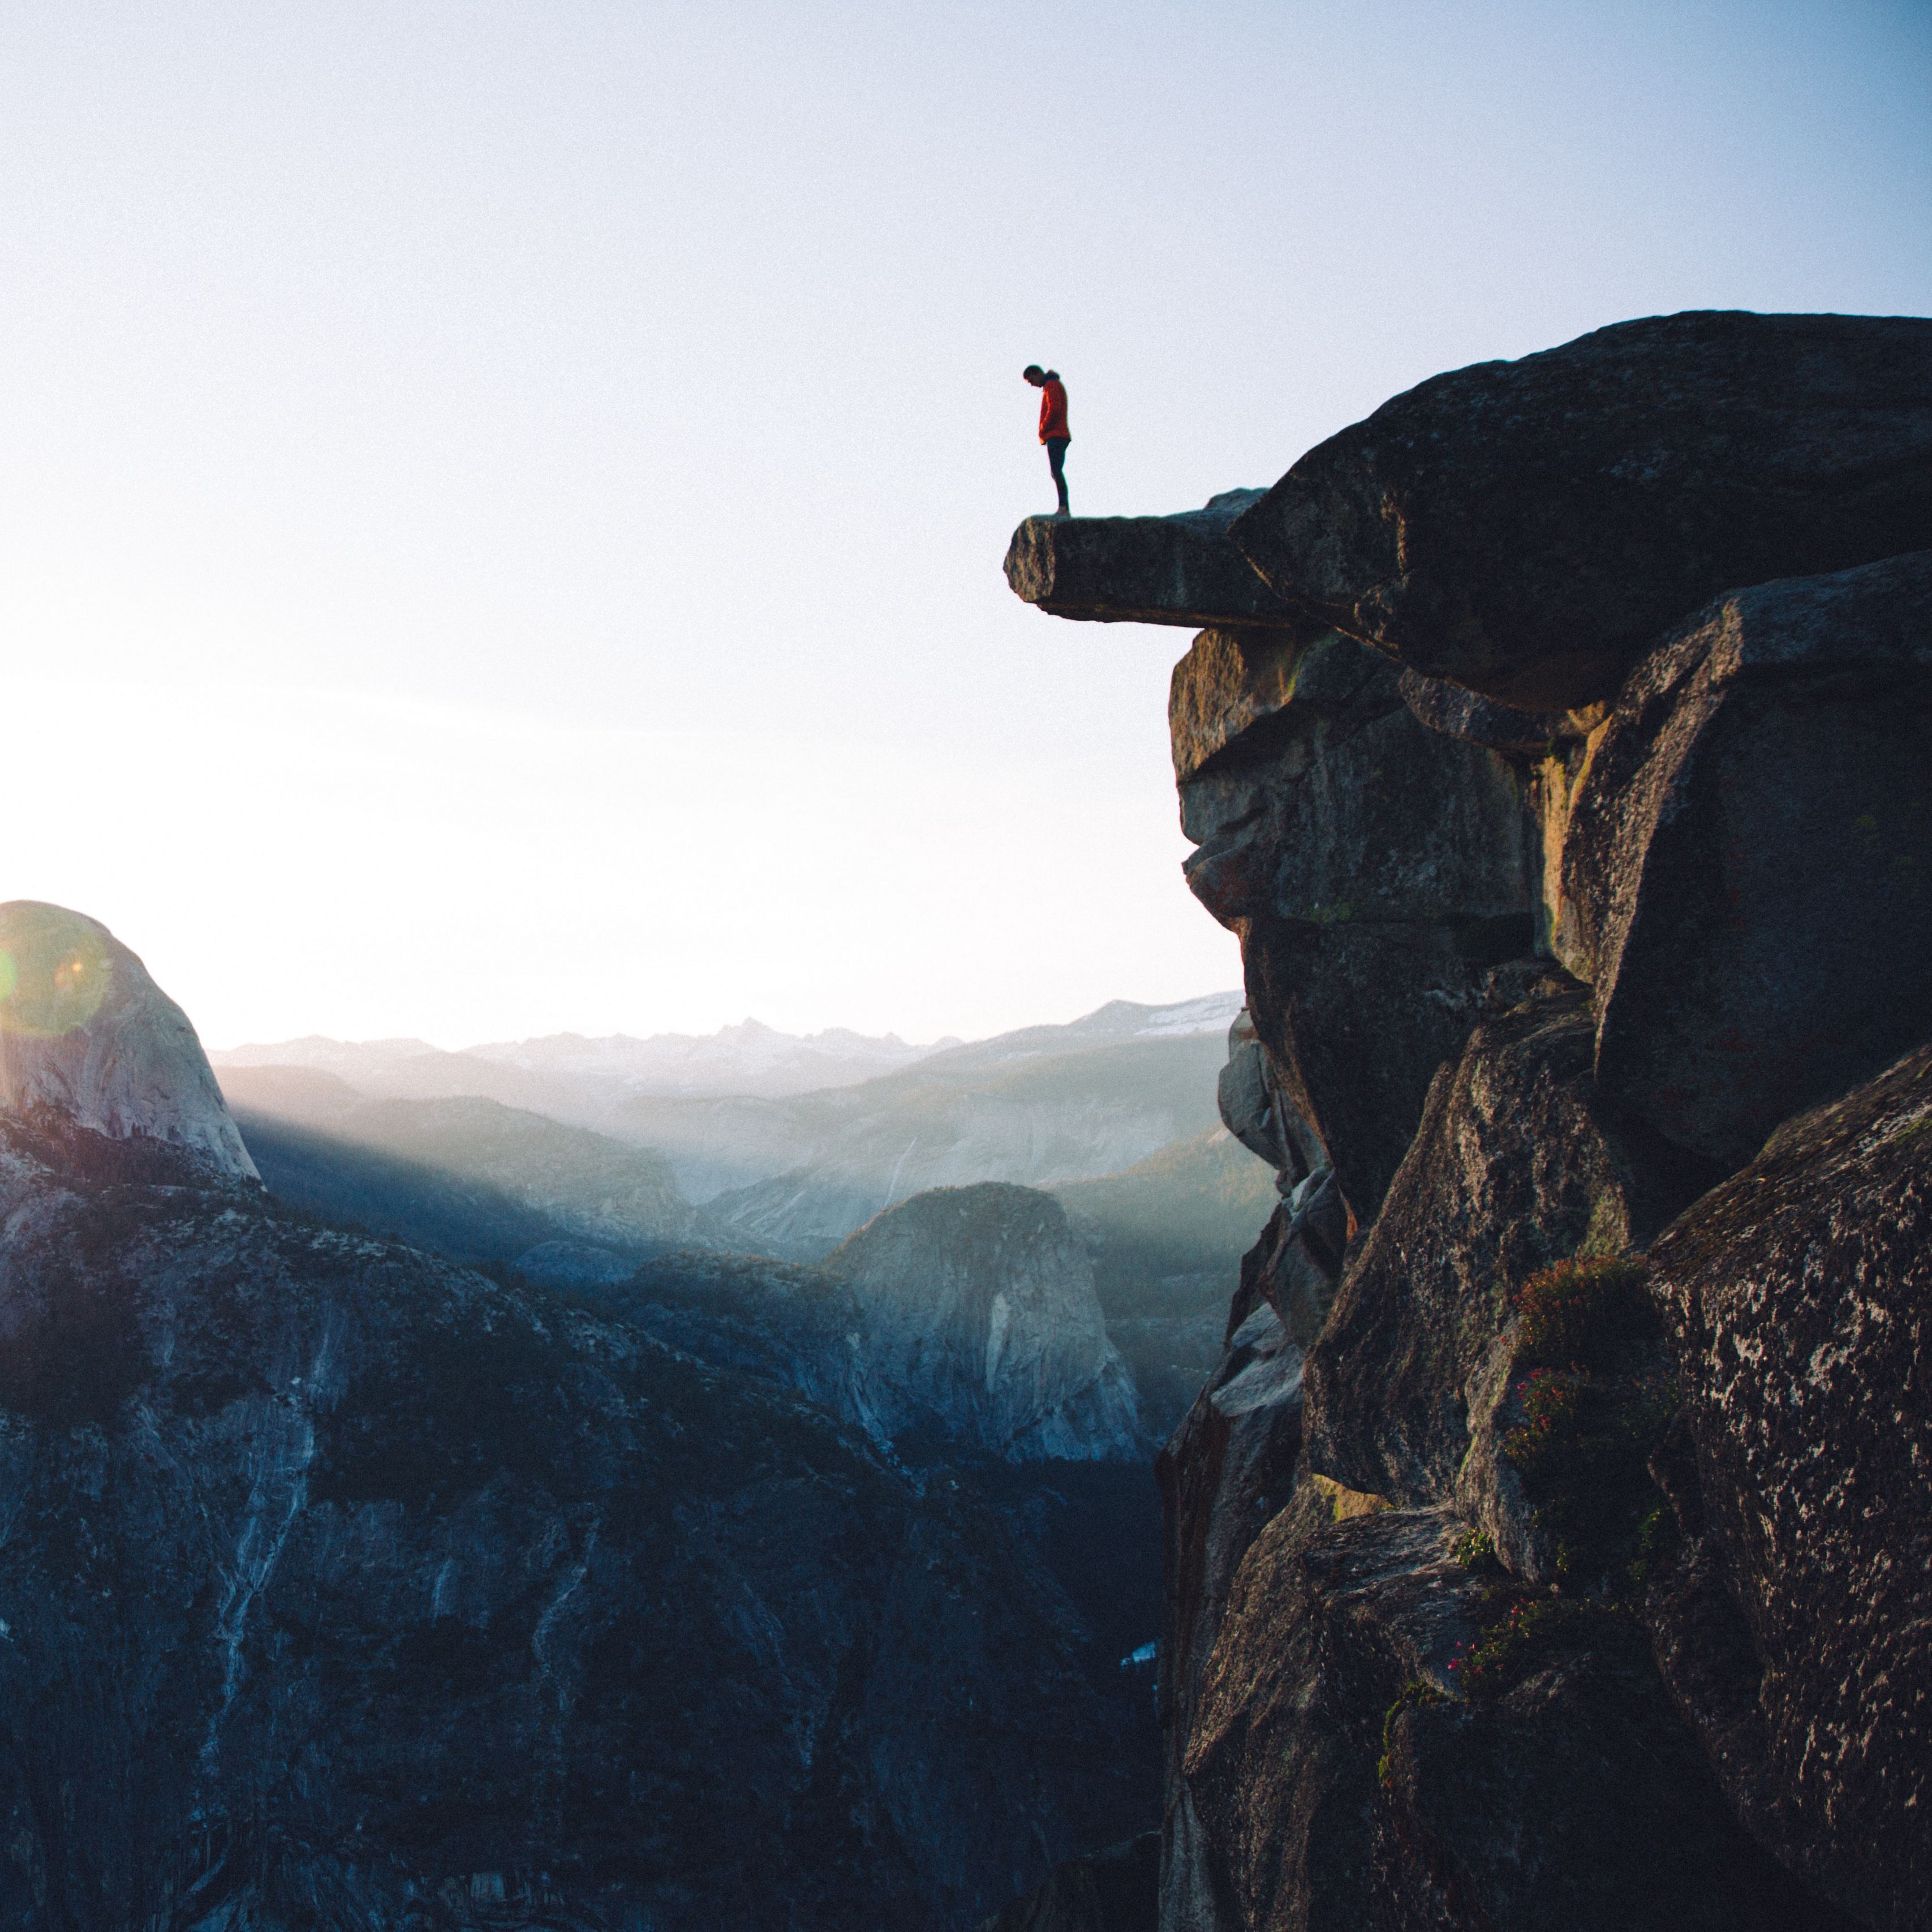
{"points": [[1656, 1538], [1415, 1691], [1476, 1554], [1594, 1406], [1551, 1445], [1583, 1449], [1531, 1632], [1581, 1313]]}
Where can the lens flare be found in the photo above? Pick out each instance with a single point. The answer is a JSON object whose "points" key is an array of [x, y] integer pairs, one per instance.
{"points": [[55, 971]]}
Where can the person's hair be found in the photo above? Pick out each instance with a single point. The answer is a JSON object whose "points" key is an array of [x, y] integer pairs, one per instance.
{"points": [[1032, 369]]}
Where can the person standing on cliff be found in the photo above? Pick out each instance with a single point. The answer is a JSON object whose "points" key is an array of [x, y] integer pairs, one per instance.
{"points": [[1053, 430]]}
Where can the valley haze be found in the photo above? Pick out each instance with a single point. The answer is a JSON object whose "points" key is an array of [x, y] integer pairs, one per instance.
{"points": [[571, 1161]]}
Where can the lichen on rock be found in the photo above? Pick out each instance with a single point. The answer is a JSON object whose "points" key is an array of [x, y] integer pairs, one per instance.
{"points": [[1791, 1625]]}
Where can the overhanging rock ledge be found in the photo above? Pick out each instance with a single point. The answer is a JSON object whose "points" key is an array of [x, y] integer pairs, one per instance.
{"points": [[1180, 569]]}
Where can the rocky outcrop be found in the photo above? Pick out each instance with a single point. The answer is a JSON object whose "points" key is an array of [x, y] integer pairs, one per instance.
{"points": [[1298, 1259], [1743, 858], [85, 1033], [1255, 1110], [1280, 1767], [1536, 958], [1343, 1777], [976, 1315], [1144, 570], [1459, 713], [1517, 1165], [1792, 1627], [1389, 880], [1527, 528]]}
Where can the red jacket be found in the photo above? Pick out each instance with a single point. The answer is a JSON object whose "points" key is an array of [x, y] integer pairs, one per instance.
{"points": [[1053, 410]]}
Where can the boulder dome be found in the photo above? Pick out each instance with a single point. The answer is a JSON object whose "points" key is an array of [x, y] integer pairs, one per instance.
{"points": [[977, 1304], [85, 1032]]}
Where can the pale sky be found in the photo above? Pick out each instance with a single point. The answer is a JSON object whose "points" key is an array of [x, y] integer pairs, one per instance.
{"points": [[501, 505]]}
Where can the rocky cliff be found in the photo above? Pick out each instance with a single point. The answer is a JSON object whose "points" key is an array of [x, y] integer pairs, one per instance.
{"points": [[341, 1587], [1551, 1547]]}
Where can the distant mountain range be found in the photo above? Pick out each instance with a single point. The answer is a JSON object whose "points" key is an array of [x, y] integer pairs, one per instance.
{"points": [[795, 1177], [550, 1164], [748, 1058], [785, 1173], [467, 1176], [572, 1077], [569, 1075]]}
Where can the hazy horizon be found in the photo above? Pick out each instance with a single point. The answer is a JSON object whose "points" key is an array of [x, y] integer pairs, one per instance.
{"points": [[501, 508], [745, 1020]]}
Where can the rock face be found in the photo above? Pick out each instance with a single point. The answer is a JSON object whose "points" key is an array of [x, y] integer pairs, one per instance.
{"points": [[1144, 570], [84, 1031], [1527, 528], [1575, 1574], [1745, 858], [1377, 871], [977, 1314], [1792, 1628], [1342, 1781], [1517, 1164]]}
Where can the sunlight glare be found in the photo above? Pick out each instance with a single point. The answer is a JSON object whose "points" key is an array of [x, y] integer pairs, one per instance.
{"points": [[55, 972]]}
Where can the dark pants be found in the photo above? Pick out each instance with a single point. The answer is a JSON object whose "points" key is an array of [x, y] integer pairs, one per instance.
{"points": [[1056, 461]]}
